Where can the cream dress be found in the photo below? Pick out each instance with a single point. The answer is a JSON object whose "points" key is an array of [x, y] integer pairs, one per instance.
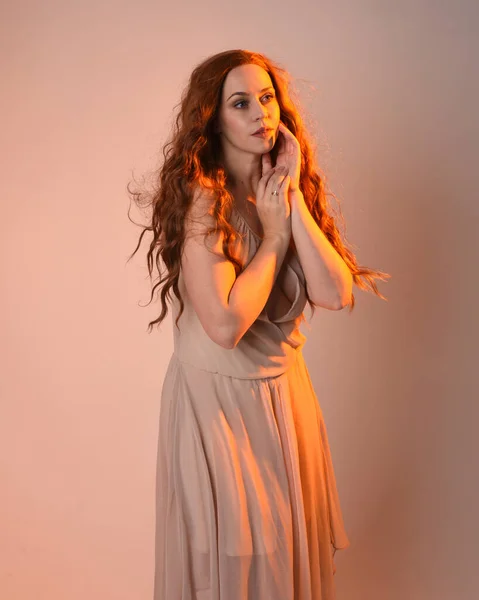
{"points": [[246, 501]]}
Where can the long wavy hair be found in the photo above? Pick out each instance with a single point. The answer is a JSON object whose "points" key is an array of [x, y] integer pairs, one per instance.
{"points": [[192, 159]]}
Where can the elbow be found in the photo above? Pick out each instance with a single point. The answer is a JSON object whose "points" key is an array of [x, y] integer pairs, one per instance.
{"points": [[342, 304], [223, 340], [229, 340], [345, 297], [232, 333], [341, 299], [225, 336], [336, 303], [229, 345]]}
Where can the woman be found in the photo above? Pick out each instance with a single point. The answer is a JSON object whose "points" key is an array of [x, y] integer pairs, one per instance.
{"points": [[247, 504]]}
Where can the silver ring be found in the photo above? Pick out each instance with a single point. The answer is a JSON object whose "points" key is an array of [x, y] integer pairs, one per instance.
{"points": [[275, 193]]}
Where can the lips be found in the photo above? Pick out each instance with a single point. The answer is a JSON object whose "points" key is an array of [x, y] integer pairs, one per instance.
{"points": [[262, 130]]}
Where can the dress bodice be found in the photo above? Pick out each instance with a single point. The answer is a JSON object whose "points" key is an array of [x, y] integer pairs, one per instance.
{"points": [[270, 345]]}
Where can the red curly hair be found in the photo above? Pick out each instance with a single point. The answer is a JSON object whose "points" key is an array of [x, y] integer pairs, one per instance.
{"points": [[192, 160]]}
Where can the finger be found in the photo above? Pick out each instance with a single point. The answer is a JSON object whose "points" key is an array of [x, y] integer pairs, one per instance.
{"points": [[271, 181], [279, 173], [274, 183], [274, 180], [263, 182], [282, 174], [286, 181], [288, 135], [281, 130], [269, 175], [280, 141]]}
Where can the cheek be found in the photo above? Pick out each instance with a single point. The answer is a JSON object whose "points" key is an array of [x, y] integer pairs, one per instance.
{"points": [[235, 123]]}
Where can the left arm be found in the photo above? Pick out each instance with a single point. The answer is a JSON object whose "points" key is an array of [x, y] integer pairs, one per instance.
{"points": [[328, 278]]}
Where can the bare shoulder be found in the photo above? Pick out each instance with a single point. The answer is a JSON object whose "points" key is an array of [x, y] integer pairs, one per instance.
{"points": [[207, 274], [199, 218]]}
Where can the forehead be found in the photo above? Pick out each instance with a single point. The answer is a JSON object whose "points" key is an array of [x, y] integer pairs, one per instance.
{"points": [[246, 78]]}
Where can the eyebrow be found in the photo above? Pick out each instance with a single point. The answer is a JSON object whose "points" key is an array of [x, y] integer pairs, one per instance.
{"points": [[270, 87]]}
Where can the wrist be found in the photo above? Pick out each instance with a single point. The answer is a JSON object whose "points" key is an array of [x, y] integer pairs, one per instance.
{"points": [[295, 195], [279, 237]]}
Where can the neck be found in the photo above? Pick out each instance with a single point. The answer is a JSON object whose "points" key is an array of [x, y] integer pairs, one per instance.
{"points": [[243, 173]]}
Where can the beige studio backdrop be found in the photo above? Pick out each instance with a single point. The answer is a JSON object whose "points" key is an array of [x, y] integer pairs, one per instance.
{"points": [[88, 94]]}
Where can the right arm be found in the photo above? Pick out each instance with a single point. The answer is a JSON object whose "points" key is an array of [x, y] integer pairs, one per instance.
{"points": [[226, 305]]}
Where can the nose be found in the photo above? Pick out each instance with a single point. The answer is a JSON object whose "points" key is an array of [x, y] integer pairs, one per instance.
{"points": [[261, 112]]}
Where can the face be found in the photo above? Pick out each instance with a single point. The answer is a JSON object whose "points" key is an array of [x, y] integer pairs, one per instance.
{"points": [[241, 114]]}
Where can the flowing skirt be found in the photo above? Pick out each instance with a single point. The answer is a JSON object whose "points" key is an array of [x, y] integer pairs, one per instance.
{"points": [[246, 501]]}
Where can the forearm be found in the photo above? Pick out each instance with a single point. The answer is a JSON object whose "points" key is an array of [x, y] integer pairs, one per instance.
{"points": [[328, 278], [252, 287]]}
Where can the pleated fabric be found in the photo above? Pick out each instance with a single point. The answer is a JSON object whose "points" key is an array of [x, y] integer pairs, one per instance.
{"points": [[247, 506]]}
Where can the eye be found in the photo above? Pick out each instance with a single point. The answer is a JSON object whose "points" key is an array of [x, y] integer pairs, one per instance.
{"points": [[243, 101]]}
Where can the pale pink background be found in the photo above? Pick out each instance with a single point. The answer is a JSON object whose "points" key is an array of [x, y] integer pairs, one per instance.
{"points": [[88, 90]]}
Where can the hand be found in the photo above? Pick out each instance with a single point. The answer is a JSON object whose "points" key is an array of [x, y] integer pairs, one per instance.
{"points": [[289, 155], [274, 212]]}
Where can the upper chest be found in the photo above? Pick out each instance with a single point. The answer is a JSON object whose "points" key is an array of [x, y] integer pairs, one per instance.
{"points": [[253, 223], [249, 215]]}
